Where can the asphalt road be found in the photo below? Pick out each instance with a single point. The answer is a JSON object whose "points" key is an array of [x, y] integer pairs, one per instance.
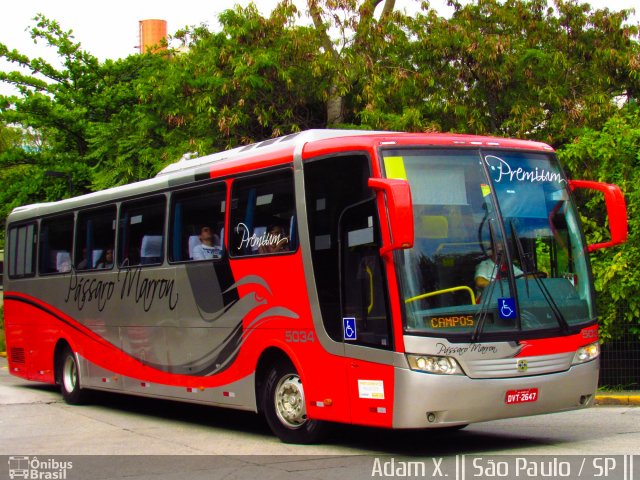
{"points": [[35, 421]]}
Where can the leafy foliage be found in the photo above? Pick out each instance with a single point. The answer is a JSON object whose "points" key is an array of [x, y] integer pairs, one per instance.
{"points": [[255, 79], [612, 155], [52, 114], [518, 68]]}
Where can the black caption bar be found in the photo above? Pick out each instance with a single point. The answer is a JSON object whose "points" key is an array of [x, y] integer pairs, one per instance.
{"points": [[196, 467]]}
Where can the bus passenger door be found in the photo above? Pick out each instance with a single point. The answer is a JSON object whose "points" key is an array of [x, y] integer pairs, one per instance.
{"points": [[367, 323], [350, 284]]}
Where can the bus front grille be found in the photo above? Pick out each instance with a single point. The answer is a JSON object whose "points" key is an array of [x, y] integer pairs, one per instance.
{"points": [[518, 366]]}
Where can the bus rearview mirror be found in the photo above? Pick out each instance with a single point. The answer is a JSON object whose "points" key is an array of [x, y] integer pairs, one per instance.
{"points": [[399, 212], [616, 210]]}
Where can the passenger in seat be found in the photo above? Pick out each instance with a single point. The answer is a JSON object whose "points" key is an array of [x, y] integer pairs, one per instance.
{"points": [[106, 260], [209, 247], [83, 264], [276, 240]]}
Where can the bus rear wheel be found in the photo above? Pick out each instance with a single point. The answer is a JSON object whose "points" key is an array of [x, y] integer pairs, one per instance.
{"points": [[284, 407], [69, 377]]}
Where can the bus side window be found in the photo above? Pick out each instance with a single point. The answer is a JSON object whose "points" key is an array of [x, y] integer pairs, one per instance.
{"points": [[141, 239], [263, 215], [197, 223], [95, 234], [21, 255], [56, 242]]}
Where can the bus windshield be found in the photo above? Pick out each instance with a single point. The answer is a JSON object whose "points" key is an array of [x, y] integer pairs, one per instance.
{"points": [[498, 251]]}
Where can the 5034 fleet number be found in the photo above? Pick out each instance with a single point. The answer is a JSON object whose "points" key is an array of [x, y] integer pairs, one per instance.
{"points": [[299, 336]]}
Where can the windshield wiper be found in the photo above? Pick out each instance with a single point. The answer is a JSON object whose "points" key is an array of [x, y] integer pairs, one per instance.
{"points": [[524, 262]]}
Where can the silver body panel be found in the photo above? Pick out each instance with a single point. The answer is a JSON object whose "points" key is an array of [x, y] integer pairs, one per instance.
{"points": [[238, 395], [460, 400]]}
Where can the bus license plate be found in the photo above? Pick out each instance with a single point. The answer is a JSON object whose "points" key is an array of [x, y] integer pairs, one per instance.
{"points": [[521, 396]]}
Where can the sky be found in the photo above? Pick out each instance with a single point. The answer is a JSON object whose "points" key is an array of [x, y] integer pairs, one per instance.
{"points": [[110, 29]]}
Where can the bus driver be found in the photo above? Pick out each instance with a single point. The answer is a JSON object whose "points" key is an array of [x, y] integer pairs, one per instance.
{"points": [[492, 268]]}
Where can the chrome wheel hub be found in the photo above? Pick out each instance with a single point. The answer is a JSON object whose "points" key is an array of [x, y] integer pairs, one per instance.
{"points": [[69, 374], [289, 399]]}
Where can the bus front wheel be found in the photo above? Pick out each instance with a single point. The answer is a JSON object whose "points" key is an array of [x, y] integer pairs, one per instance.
{"points": [[69, 375], [284, 407]]}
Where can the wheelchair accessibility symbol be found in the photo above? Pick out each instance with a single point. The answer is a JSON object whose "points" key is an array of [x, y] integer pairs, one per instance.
{"points": [[507, 308], [349, 328]]}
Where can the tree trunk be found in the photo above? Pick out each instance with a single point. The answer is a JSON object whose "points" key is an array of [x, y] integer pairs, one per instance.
{"points": [[334, 108]]}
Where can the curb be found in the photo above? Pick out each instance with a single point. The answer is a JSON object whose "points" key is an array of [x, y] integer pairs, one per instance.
{"points": [[618, 399]]}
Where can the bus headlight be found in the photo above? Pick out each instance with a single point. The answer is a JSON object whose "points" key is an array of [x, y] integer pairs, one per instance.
{"points": [[586, 353], [434, 364]]}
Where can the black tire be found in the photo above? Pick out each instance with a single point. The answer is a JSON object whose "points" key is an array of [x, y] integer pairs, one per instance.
{"points": [[69, 377], [283, 405]]}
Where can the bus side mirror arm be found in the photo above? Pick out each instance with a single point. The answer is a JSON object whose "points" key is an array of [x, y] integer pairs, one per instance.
{"points": [[616, 211], [399, 212]]}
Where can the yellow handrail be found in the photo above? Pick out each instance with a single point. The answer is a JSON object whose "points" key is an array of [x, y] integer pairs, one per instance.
{"points": [[443, 291], [370, 307]]}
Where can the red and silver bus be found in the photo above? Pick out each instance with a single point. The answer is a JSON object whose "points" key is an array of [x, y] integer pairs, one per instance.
{"points": [[385, 279]]}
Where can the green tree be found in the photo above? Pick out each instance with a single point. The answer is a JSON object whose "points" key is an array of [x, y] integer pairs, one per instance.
{"points": [[65, 105], [257, 78], [111, 123], [10, 138], [612, 155], [349, 56], [518, 68]]}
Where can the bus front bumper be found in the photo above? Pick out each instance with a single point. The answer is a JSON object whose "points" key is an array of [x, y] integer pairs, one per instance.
{"points": [[424, 400]]}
